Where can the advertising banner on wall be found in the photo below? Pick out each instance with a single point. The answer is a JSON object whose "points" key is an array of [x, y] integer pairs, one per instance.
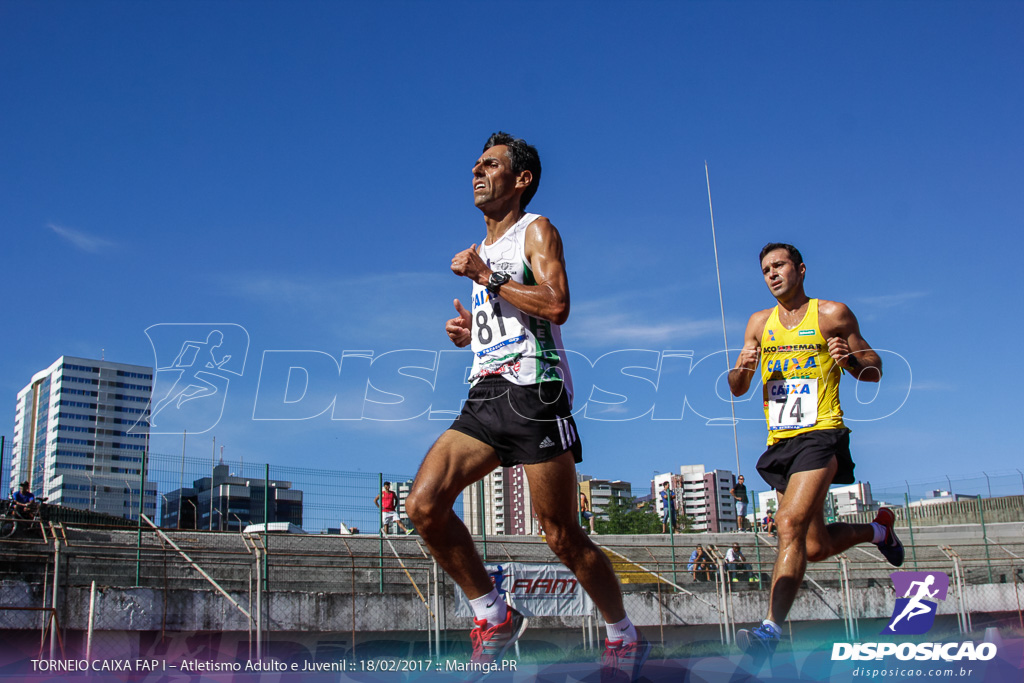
{"points": [[535, 589]]}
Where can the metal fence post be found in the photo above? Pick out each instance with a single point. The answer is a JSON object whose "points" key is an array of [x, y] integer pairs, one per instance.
{"points": [[138, 540], [53, 601], [259, 605], [380, 491], [483, 517], [961, 592], [1016, 593], [266, 526], [910, 525], [353, 596], [437, 611], [92, 621], [984, 537], [852, 632], [431, 652], [672, 542], [213, 472], [760, 569], [727, 618]]}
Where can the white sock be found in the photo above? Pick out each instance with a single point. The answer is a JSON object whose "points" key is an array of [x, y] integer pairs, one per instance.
{"points": [[622, 630], [490, 608], [773, 626], [879, 532]]}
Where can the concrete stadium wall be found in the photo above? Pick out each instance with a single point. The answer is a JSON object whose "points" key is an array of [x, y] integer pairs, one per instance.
{"points": [[149, 609]]}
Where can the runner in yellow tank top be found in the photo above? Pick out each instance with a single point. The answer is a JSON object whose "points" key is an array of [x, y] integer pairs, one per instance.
{"points": [[804, 345], [800, 379]]}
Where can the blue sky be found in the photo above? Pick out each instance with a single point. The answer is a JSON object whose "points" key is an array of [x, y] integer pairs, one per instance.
{"points": [[302, 171]]}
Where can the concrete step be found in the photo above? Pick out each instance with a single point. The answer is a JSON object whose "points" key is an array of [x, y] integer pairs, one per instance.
{"points": [[631, 572]]}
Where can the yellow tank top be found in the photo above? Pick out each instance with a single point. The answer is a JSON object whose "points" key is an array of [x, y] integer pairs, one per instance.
{"points": [[801, 381]]}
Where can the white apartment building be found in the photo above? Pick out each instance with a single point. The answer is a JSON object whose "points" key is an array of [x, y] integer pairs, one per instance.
{"points": [[939, 496], [853, 498], [81, 431], [701, 494], [848, 500], [767, 500]]}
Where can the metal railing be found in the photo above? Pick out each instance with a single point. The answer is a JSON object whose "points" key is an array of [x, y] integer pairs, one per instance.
{"points": [[259, 584]]}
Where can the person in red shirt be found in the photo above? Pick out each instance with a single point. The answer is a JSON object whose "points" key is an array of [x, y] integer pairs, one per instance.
{"points": [[387, 501]]}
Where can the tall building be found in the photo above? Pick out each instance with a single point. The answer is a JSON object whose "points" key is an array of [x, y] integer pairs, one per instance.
{"points": [[80, 434], [403, 489], [702, 495], [225, 502], [853, 498], [506, 506], [601, 492]]}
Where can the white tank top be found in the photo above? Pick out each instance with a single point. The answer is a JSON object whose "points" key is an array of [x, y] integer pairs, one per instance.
{"points": [[507, 342]]}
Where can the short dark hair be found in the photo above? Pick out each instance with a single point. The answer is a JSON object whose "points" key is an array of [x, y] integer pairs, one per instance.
{"points": [[387, 483], [794, 253], [523, 156]]}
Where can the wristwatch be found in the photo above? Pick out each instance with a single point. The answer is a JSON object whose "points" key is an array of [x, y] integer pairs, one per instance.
{"points": [[496, 280]]}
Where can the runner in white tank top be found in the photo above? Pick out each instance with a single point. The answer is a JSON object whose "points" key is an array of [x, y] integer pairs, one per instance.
{"points": [[506, 341], [517, 413]]}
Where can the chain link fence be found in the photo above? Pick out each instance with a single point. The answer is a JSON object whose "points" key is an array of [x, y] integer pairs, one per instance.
{"points": [[261, 587], [188, 567]]}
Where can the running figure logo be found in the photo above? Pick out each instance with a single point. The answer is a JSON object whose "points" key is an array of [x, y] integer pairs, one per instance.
{"points": [[194, 364], [497, 578], [914, 613]]}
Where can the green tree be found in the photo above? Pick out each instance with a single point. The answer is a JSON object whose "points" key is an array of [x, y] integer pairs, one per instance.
{"points": [[623, 517]]}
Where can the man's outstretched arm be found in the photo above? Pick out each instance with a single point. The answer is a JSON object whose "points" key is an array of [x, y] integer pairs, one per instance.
{"points": [[746, 363]]}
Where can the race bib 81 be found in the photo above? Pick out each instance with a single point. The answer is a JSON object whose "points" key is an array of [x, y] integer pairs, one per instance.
{"points": [[493, 329]]}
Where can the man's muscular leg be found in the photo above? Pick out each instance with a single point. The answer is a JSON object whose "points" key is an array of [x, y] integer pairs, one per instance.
{"points": [[553, 490], [454, 462], [802, 503], [803, 535], [825, 541]]}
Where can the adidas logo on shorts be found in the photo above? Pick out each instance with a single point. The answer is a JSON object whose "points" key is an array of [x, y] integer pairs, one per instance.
{"points": [[547, 442]]}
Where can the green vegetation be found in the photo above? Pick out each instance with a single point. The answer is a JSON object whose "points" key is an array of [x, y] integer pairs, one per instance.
{"points": [[623, 517]]}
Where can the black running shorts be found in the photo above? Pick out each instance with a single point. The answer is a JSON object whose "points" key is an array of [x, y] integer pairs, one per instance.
{"points": [[524, 424], [805, 452]]}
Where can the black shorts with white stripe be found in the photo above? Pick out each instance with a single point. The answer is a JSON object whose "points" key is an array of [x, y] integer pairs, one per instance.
{"points": [[524, 424]]}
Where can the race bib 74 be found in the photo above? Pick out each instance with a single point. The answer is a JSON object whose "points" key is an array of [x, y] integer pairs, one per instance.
{"points": [[792, 403]]}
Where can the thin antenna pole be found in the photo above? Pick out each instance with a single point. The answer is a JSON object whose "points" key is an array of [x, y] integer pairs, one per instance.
{"points": [[721, 304]]}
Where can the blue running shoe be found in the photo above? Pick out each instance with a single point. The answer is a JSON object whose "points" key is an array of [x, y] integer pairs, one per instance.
{"points": [[890, 547], [759, 642]]}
